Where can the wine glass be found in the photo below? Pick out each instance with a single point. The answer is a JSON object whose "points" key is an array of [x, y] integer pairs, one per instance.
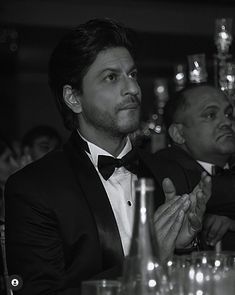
{"points": [[177, 270], [101, 287], [213, 272]]}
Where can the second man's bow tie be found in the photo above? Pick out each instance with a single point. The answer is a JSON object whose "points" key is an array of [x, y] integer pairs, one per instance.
{"points": [[107, 164]]}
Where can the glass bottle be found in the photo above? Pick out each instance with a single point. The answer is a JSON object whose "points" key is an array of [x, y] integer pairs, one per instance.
{"points": [[142, 273]]}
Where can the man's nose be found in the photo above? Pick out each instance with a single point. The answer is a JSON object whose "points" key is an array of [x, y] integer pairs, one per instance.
{"points": [[226, 121], [130, 86]]}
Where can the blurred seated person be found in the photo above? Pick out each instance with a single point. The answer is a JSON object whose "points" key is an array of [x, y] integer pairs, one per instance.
{"points": [[39, 141], [199, 121], [8, 166]]}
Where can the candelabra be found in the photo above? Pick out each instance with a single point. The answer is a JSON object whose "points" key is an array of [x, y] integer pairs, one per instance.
{"points": [[224, 69]]}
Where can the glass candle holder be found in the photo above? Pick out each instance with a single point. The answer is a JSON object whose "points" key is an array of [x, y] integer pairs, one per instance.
{"points": [[223, 35], [180, 76], [197, 68], [160, 89], [227, 78]]}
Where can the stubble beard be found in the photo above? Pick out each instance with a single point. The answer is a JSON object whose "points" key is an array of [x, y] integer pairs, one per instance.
{"points": [[114, 126]]}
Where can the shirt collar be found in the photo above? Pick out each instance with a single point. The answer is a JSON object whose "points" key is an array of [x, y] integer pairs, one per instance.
{"points": [[208, 166], [95, 151]]}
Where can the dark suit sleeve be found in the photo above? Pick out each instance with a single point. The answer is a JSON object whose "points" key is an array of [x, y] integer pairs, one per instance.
{"points": [[222, 201], [51, 241], [33, 244]]}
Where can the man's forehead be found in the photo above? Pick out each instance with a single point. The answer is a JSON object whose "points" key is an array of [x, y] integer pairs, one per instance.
{"points": [[112, 57], [206, 95]]}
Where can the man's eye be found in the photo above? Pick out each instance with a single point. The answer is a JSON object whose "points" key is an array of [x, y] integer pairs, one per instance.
{"points": [[211, 115], [111, 77], [133, 75], [229, 115]]}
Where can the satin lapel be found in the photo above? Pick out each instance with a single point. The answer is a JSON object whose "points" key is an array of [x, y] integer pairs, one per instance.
{"points": [[191, 168], [188, 162], [98, 201]]}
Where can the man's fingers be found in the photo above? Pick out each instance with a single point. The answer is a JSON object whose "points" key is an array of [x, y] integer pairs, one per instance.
{"points": [[207, 224], [219, 235], [195, 223], [218, 229], [205, 185], [200, 205], [169, 189], [176, 225], [167, 235], [168, 209]]}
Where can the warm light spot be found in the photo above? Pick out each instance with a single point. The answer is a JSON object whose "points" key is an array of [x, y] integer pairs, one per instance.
{"points": [[224, 35], [150, 266], [217, 263], [179, 76], [191, 274], [199, 277], [204, 260], [152, 283], [160, 89], [169, 263]]}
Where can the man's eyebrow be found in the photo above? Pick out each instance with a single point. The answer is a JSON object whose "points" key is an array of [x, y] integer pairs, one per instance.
{"points": [[116, 69], [209, 106], [133, 68]]}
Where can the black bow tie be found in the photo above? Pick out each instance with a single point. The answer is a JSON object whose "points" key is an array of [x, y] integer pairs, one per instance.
{"points": [[217, 170], [107, 164]]}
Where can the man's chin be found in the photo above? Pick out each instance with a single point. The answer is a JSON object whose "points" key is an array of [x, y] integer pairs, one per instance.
{"points": [[228, 148], [130, 124], [130, 128]]}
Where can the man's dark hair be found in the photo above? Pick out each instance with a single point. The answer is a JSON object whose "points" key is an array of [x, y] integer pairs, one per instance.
{"points": [[76, 52], [39, 131]]}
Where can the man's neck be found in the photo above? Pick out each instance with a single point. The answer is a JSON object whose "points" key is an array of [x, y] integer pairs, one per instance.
{"points": [[111, 144], [218, 160]]}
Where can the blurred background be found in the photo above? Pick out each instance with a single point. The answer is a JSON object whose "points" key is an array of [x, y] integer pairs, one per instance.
{"points": [[167, 32]]}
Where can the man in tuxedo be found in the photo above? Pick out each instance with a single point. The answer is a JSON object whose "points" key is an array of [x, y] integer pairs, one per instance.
{"points": [[69, 217], [200, 122]]}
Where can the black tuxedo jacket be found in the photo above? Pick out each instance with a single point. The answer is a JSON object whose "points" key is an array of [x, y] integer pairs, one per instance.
{"points": [[222, 201], [60, 228]]}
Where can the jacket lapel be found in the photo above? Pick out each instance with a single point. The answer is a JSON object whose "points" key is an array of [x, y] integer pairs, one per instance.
{"points": [[97, 199]]}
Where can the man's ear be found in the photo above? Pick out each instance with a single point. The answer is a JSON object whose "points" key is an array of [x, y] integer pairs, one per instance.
{"points": [[176, 133], [72, 99]]}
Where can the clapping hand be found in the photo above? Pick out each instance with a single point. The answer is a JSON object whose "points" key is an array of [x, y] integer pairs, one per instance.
{"points": [[215, 227], [194, 217], [179, 219]]}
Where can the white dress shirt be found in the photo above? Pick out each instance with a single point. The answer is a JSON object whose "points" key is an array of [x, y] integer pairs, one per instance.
{"points": [[120, 190], [208, 166]]}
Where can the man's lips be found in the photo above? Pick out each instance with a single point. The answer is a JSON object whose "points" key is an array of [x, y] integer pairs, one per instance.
{"points": [[130, 106], [227, 134]]}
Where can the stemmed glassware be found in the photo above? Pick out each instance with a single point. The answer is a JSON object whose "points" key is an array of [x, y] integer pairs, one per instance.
{"points": [[202, 273]]}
